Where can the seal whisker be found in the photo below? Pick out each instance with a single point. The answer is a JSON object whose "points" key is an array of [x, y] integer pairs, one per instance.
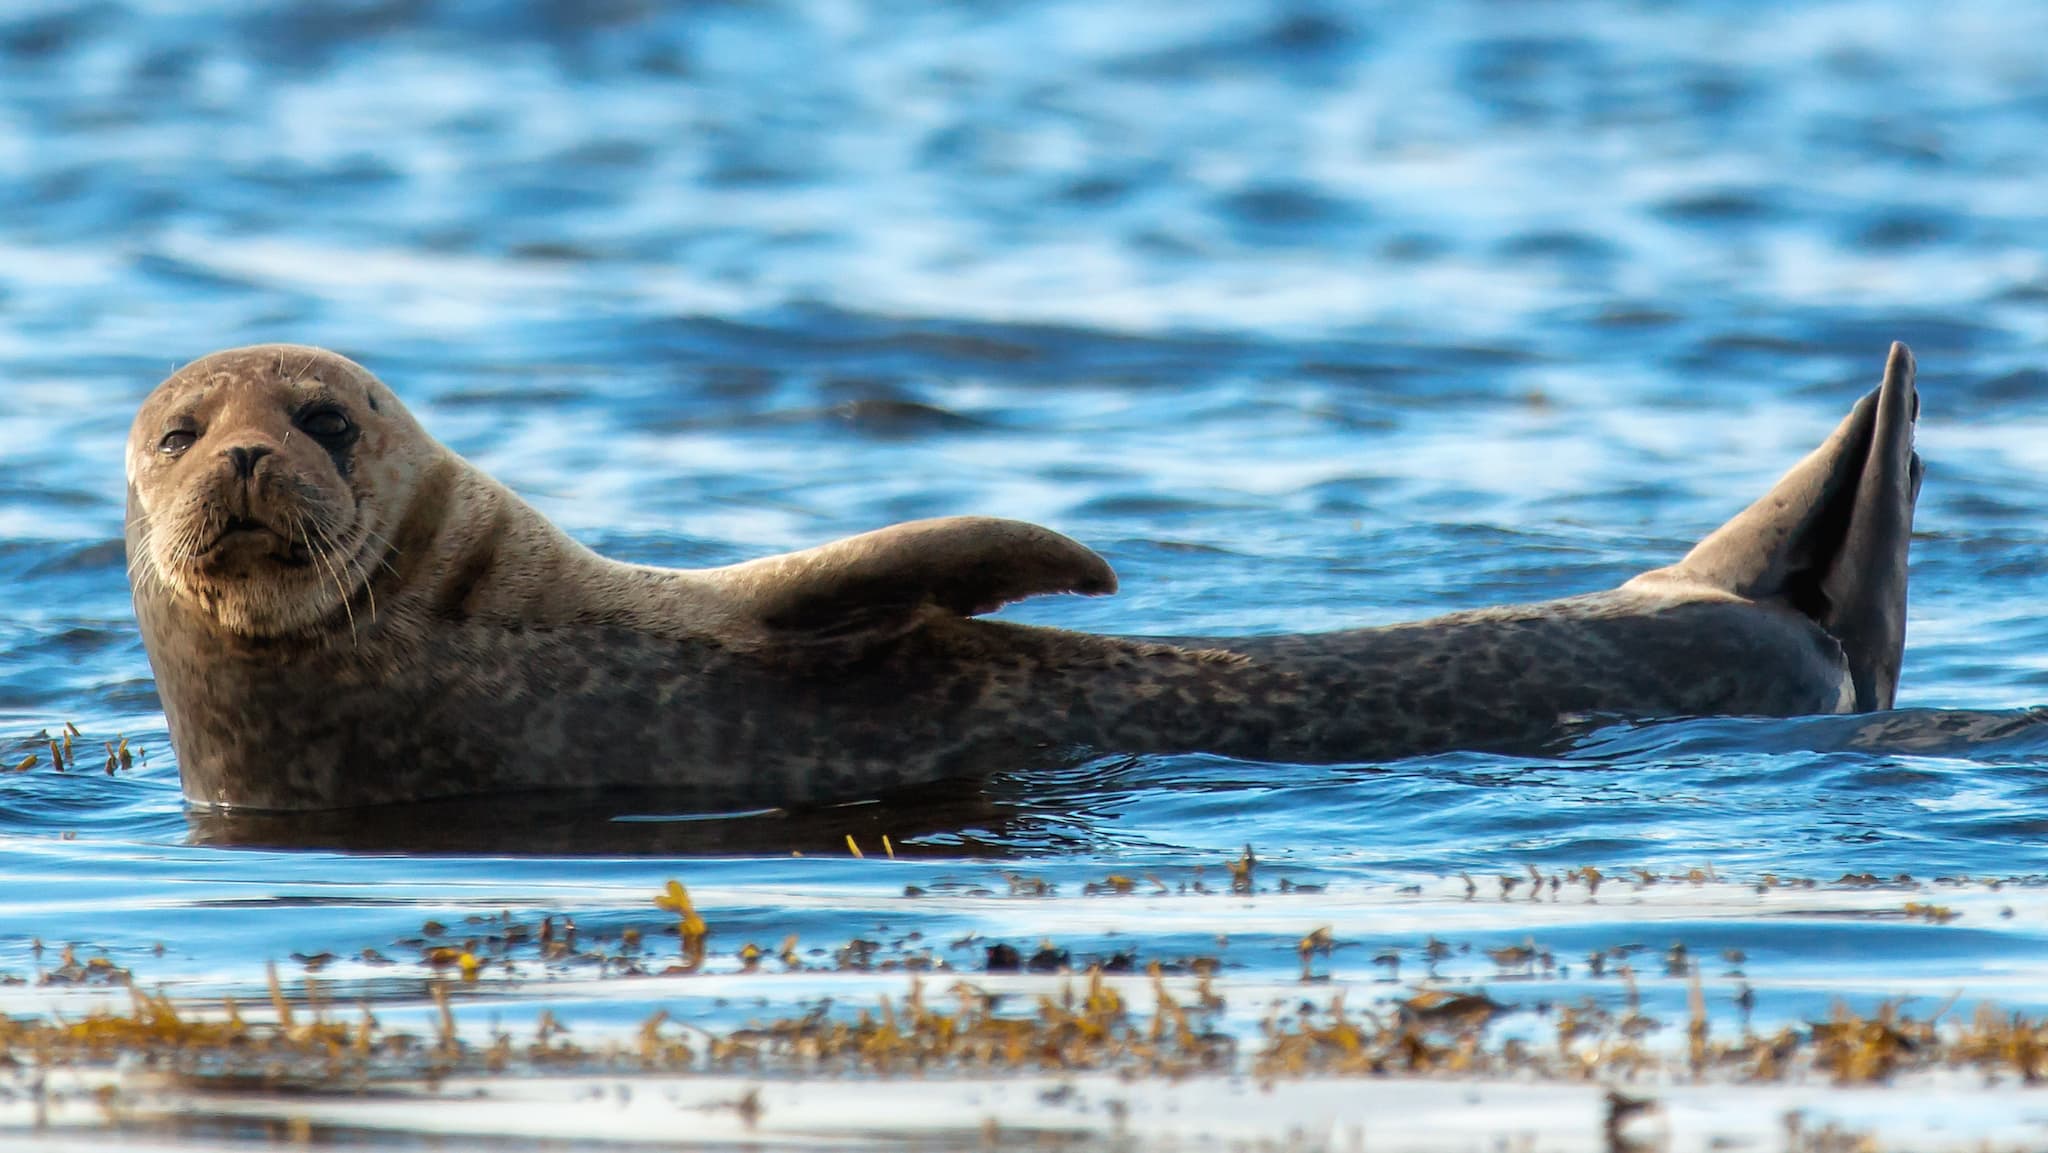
{"points": [[369, 587], [299, 377], [320, 555], [180, 549], [351, 564], [340, 588], [139, 559], [385, 551], [142, 569]]}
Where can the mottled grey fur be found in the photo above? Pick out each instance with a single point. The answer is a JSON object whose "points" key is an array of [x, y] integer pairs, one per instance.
{"points": [[478, 650]]}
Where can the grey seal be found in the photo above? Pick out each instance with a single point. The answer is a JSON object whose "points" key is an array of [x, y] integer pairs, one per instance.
{"points": [[340, 612]]}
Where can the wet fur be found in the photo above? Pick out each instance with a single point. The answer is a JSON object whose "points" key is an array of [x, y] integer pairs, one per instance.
{"points": [[457, 643]]}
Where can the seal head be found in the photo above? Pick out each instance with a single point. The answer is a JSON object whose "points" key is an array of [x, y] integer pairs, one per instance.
{"points": [[256, 479]]}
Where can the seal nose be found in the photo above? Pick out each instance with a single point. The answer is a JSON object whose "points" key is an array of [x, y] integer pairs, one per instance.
{"points": [[245, 458]]}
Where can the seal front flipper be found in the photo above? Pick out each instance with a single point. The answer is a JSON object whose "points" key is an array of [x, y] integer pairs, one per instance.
{"points": [[1830, 538], [875, 585]]}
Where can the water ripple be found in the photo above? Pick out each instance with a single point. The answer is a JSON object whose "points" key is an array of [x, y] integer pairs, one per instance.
{"points": [[1305, 317]]}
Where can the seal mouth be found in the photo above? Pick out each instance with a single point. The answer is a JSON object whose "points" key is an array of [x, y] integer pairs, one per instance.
{"points": [[243, 533]]}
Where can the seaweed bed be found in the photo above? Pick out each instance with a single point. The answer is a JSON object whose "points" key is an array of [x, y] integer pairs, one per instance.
{"points": [[977, 1015]]}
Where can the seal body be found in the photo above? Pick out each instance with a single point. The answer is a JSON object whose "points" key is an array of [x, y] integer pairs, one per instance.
{"points": [[341, 612]]}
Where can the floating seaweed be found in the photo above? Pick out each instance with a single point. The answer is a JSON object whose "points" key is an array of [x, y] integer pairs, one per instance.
{"points": [[690, 926], [62, 753]]}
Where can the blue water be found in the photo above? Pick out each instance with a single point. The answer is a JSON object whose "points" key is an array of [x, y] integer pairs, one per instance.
{"points": [[1304, 316]]}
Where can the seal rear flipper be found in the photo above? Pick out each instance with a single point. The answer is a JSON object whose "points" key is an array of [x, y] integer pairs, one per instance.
{"points": [[876, 584], [1830, 538]]}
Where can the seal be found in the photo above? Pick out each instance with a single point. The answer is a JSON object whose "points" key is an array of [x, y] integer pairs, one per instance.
{"points": [[342, 612]]}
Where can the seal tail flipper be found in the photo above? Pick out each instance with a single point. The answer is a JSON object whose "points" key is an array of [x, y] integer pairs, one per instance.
{"points": [[1830, 538], [874, 585]]}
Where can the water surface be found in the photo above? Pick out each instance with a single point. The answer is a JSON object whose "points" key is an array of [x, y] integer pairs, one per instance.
{"points": [[1305, 317]]}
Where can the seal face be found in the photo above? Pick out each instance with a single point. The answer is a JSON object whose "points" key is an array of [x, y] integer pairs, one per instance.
{"points": [[257, 477], [342, 612]]}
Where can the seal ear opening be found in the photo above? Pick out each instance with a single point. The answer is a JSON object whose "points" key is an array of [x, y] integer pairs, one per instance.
{"points": [[876, 585], [1829, 540]]}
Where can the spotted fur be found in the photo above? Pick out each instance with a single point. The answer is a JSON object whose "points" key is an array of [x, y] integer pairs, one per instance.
{"points": [[417, 631]]}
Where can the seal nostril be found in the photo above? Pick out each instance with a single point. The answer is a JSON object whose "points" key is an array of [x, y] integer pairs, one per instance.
{"points": [[245, 458]]}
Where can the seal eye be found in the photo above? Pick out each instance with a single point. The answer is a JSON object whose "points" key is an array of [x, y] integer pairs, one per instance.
{"points": [[326, 423], [176, 441]]}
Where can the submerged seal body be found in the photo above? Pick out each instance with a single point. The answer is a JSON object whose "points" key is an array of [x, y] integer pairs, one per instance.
{"points": [[340, 611]]}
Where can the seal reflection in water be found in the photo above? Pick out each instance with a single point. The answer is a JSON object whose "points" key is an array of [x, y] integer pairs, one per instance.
{"points": [[342, 612]]}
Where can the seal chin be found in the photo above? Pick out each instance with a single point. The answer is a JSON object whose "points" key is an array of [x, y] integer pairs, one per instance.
{"points": [[255, 579]]}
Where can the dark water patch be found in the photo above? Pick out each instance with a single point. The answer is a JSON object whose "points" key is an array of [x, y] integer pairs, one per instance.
{"points": [[1532, 80], [26, 491], [836, 337], [1909, 142], [1952, 337], [1902, 229], [1172, 547], [1280, 214], [513, 397], [100, 557], [1303, 44], [1148, 505], [1759, 344], [172, 273], [879, 418], [46, 36], [2028, 292], [1992, 509], [1918, 732], [2023, 386], [893, 418], [607, 825], [1356, 372], [78, 641], [1565, 247], [1488, 356], [1098, 189], [22, 561], [1629, 315], [1415, 248], [555, 252], [126, 697], [1723, 207]]}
